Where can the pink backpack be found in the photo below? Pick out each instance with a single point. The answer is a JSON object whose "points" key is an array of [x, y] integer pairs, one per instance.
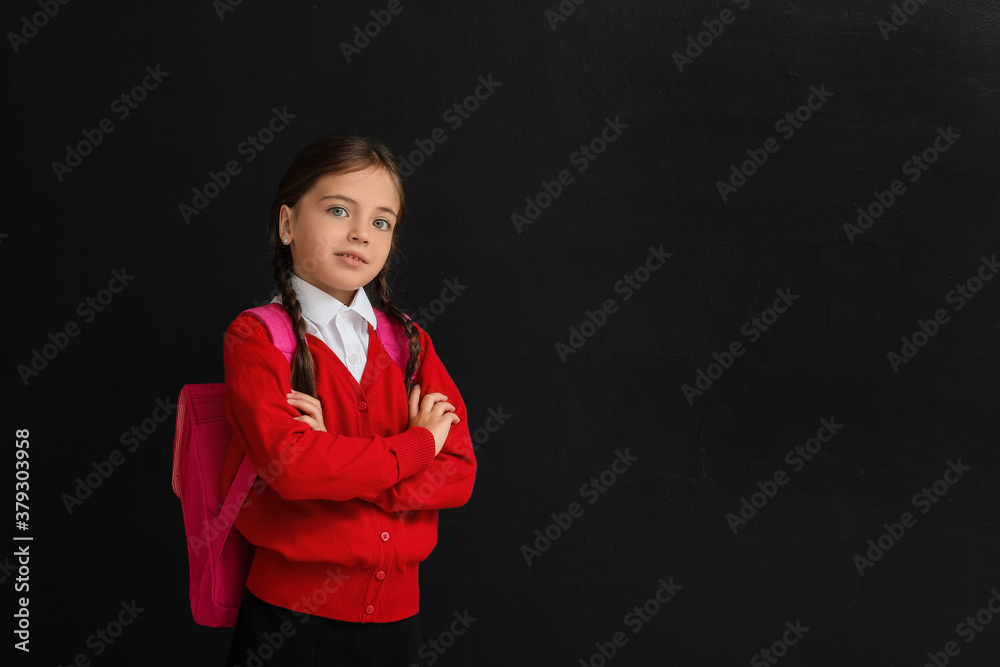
{"points": [[220, 556]]}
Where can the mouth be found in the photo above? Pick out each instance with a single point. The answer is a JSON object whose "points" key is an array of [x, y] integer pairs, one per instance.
{"points": [[353, 256]]}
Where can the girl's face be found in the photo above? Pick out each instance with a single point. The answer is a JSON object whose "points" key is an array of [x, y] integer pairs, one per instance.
{"points": [[340, 231]]}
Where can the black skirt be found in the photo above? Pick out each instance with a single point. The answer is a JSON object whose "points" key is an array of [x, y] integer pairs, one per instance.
{"points": [[270, 636]]}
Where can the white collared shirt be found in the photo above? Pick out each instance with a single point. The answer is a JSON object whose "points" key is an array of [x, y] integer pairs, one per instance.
{"points": [[344, 329]]}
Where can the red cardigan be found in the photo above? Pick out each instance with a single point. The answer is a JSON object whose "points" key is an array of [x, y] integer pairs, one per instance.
{"points": [[342, 518]]}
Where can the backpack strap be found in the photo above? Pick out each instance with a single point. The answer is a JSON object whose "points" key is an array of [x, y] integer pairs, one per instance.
{"points": [[394, 339], [275, 319]]}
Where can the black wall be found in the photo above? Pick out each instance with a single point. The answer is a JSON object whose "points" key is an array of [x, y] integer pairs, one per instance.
{"points": [[784, 237]]}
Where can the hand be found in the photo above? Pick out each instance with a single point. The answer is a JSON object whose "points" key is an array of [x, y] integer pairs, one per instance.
{"points": [[434, 413], [310, 405]]}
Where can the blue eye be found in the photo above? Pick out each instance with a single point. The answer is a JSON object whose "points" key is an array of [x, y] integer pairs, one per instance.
{"points": [[387, 225], [333, 210]]}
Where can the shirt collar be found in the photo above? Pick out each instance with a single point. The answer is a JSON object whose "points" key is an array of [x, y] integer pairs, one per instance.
{"points": [[321, 307]]}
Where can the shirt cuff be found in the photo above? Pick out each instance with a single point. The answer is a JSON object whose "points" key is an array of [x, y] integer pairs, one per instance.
{"points": [[414, 450]]}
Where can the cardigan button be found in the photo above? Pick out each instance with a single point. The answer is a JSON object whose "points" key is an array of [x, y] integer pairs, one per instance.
{"points": [[362, 406], [384, 536], [369, 610], [380, 575]]}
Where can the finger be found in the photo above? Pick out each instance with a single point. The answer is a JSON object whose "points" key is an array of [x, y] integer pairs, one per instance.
{"points": [[313, 409], [429, 400], [308, 421], [309, 409], [441, 407], [305, 399], [414, 399]]}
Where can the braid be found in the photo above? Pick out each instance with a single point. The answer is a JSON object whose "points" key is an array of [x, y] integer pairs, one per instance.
{"points": [[390, 308], [303, 367], [337, 154]]}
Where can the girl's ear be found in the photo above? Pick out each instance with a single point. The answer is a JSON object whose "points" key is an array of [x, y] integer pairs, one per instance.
{"points": [[284, 221]]}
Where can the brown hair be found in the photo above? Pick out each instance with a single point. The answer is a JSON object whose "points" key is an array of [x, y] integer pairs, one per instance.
{"points": [[334, 155]]}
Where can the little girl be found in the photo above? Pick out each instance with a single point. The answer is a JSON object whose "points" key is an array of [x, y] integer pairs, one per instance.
{"points": [[364, 459]]}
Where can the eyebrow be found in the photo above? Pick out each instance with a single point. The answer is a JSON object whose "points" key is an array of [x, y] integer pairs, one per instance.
{"points": [[354, 203]]}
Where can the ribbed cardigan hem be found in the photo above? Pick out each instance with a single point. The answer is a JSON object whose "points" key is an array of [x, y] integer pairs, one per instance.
{"points": [[333, 590]]}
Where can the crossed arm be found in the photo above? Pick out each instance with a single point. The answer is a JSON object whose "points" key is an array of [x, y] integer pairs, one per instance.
{"points": [[430, 465]]}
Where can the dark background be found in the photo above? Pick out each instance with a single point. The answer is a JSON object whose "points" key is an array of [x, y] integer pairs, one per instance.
{"points": [[655, 185]]}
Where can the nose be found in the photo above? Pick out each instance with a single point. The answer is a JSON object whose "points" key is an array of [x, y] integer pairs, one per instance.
{"points": [[359, 233]]}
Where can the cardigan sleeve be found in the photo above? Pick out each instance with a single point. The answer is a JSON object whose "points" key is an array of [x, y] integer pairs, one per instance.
{"points": [[296, 461], [448, 480]]}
